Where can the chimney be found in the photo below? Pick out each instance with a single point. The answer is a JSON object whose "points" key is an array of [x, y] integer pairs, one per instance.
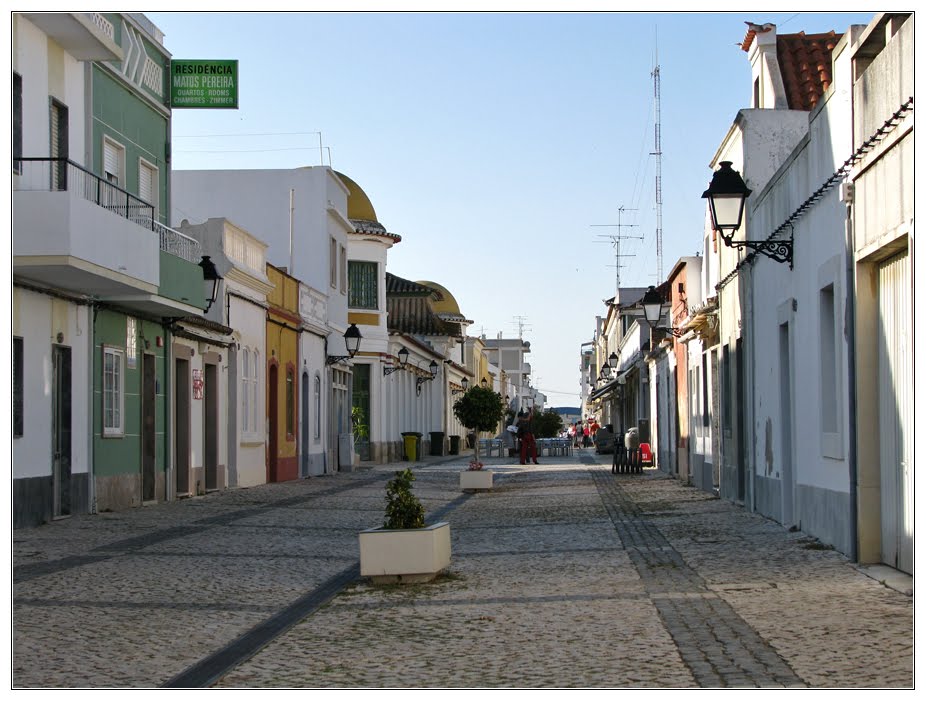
{"points": [[761, 45]]}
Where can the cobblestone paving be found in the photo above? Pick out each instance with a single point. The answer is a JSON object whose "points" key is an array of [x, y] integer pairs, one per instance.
{"points": [[564, 575]]}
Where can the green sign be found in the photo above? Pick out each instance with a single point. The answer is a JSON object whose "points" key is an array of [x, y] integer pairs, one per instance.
{"points": [[203, 84]]}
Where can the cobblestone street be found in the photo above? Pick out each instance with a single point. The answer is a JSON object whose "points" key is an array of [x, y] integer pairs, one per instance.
{"points": [[564, 575]]}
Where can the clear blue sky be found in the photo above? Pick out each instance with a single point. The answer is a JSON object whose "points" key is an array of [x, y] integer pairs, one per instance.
{"points": [[492, 142]]}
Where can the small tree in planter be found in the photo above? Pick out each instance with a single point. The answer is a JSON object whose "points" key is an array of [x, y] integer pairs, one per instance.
{"points": [[403, 509], [479, 409], [404, 550]]}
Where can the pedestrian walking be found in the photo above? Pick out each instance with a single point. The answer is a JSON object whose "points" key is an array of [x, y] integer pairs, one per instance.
{"points": [[526, 434]]}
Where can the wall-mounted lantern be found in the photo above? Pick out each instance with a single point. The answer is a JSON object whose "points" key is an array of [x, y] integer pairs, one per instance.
{"points": [[403, 360], [211, 279], [352, 338], [726, 198], [421, 380]]}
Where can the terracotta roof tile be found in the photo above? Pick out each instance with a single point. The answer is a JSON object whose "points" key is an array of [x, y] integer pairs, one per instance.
{"points": [[806, 62], [751, 31], [396, 285], [414, 316], [367, 227], [409, 309]]}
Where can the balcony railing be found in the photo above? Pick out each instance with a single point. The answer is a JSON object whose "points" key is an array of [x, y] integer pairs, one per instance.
{"points": [[178, 244], [63, 175]]}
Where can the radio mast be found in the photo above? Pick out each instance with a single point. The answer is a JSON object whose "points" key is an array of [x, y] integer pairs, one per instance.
{"points": [[658, 154]]}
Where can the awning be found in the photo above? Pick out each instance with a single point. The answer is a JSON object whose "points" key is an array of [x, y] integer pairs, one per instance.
{"points": [[603, 391], [209, 332], [615, 384]]}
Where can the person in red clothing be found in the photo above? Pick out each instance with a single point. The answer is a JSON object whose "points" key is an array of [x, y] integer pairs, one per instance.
{"points": [[593, 429], [526, 434]]}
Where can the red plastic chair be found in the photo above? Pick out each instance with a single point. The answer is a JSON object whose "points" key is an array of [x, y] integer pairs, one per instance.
{"points": [[646, 454]]}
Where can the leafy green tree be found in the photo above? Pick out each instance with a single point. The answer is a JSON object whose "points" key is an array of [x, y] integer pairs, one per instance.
{"points": [[547, 424], [479, 409]]}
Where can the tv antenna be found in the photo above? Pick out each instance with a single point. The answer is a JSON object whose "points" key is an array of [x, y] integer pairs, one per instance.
{"points": [[658, 154], [616, 242], [519, 322]]}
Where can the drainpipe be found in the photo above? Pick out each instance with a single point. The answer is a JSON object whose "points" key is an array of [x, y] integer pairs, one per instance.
{"points": [[291, 271], [750, 434], [168, 434], [91, 468], [850, 338]]}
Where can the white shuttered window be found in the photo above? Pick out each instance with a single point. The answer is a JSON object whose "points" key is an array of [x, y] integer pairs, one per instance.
{"points": [[148, 184], [113, 157]]}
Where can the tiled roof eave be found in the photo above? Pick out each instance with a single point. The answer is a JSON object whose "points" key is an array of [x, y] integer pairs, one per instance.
{"points": [[371, 228]]}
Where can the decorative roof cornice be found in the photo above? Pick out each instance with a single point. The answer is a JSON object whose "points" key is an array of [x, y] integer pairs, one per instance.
{"points": [[374, 228]]}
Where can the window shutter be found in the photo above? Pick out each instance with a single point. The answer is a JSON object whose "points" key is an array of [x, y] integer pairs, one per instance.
{"points": [[111, 162], [145, 183], [55, 141]]}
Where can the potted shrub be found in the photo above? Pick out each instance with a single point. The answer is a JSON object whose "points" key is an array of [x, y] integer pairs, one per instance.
{"points": [[361, 433], [479, 409], [404, 550]]}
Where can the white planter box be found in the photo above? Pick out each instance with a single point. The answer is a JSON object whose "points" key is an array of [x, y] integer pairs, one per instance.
{"points": [[476, 479], [405, 556]]}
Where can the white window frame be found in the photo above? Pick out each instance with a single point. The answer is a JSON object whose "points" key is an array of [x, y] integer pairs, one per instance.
{"points": [[333, 262], [245, 390], [114, 396], [155, 184], [830, 397], [318, 407], [120, 150], [250, 378], [343, 269], [255, 390]]}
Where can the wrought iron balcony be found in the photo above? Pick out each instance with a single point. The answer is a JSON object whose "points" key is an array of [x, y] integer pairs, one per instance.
{"points": [[63, 175]]}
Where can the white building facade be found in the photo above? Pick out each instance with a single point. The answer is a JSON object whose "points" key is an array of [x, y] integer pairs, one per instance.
{"points": [[301, 216], [239, 257], [801, 425]]}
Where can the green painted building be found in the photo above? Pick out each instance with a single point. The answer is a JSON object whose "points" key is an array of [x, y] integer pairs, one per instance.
{"points": [[130, 147], [99, 280]]}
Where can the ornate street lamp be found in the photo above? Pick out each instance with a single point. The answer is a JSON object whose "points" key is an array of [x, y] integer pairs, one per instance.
{"points": [[352, 338], [652, 306], [403, 359], [421, 380], [211, 279], [726, 197], [652, 310]]}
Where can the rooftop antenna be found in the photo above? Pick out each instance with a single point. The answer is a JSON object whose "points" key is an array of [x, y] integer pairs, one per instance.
{"points": [[616, 241], [658, 154], [519, 321]]}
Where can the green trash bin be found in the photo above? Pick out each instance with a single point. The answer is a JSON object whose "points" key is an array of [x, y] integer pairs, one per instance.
{"points": [[412, 441], [454, 445]]}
